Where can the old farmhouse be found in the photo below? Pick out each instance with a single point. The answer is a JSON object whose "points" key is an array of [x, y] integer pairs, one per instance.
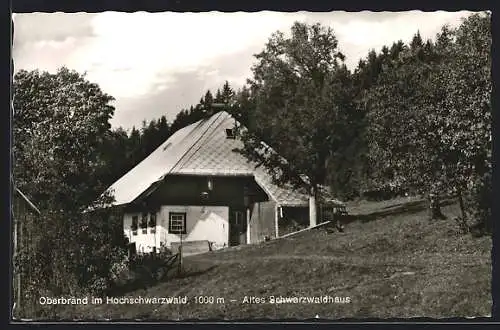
{"points": [[195, 187]]}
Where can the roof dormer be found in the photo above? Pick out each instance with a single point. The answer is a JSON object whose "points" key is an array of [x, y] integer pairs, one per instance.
{"points": [[230, 133]]}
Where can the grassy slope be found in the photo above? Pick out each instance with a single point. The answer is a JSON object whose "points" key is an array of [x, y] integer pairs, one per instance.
{"points": [[452, 275]]}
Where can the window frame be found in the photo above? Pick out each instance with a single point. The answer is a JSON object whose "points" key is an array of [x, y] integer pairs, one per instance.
{"points": [[151, 223], [143, 223], [230, 133], [239, 216], [184, 223], [135, 224]]}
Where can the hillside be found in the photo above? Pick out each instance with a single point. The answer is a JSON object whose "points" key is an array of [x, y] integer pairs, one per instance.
{"points": [[395, 266]]}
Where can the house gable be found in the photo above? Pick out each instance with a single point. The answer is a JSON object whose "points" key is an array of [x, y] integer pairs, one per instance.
{"points": [[200, 149], [193, 190]]}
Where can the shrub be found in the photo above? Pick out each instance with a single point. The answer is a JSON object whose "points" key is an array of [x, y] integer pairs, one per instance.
{"points": [[463, 227], [99, 286], [118, 270], [385, 192], [478, 203]]}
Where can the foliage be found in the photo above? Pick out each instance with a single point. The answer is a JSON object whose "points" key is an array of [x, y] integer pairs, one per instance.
{"points": [[60, 121], [398, 140], [465, 115], [429, 113], [65, 155], [413, 117], [141, 271], [302, 105], [60, 126], [118, 268]]}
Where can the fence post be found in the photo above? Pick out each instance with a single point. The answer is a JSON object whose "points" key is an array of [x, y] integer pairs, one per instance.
{"points": [[179, 271], [17, 283]]}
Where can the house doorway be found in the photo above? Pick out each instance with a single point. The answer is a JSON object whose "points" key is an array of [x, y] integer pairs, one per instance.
{"points": [[237, 227]]}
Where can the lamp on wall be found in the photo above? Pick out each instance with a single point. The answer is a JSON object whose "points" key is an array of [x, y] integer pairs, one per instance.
{"points": [[210, 184], [204, 197]]}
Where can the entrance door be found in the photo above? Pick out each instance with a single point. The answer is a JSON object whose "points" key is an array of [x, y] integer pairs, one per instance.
{"points": [[237, 227]]}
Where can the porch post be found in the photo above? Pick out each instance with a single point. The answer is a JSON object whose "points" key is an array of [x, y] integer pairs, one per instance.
{"points": [[312, 208], [248, 226], [276, 218]]}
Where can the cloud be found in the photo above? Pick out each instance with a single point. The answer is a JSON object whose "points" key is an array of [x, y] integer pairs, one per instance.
{"points": [[50, 26], [47, 41], [156, 46], [359, 35], [158, 63], [187, 90]]}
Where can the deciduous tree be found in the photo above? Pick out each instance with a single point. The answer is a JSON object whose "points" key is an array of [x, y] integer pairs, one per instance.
{"points": [[302, 108], [60, 128]]}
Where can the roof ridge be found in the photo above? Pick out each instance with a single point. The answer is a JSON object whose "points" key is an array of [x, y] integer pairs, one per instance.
{"points": [[201, 143], [162, 145], [201, 148], [193, 145], [181, 157]]}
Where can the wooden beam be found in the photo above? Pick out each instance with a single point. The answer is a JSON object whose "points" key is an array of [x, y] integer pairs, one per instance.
{"points": [[276, 218], [17, 283], [312, 210], [248, 226], [306, 229]]}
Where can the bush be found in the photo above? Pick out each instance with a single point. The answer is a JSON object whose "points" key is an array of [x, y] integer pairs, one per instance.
{"points": [[141, 271], [99, 286], [118, 268], [68, 254], [384, 192], [478, 204], [461, 222]]}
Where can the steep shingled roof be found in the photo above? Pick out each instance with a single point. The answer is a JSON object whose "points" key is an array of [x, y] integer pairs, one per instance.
{"points": [[200, 149]]}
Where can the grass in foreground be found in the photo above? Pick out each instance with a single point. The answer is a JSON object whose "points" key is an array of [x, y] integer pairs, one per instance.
{"points": [[399, 266]]}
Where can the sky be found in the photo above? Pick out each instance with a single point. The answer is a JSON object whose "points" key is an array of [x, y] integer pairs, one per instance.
{"points": [[156, 64]]}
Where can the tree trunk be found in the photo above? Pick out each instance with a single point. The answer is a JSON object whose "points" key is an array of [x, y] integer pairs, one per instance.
{"points": [[461, 203], [435, 204], [312, 207], [248, 225]]}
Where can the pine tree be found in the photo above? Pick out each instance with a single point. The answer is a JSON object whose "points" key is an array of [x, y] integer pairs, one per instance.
{"points": [[228, 94], [218, 96], [163, 128]]}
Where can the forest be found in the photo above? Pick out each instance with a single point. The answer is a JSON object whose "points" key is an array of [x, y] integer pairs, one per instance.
{"points": [[411, 118]]}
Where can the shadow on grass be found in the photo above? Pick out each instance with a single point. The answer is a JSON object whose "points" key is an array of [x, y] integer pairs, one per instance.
{"points": [[193, 273], [144, 279], [406, 208]]}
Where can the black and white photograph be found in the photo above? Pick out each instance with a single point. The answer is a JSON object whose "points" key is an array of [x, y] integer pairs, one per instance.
{"points": [[258, 166]]}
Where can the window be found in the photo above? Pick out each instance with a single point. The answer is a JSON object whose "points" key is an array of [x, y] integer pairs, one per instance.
{"points": [[230, 133], [238, 218], [135, 223], [144, 222], [177, 223], [152, 220], [168, 145], [152, 223]]}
